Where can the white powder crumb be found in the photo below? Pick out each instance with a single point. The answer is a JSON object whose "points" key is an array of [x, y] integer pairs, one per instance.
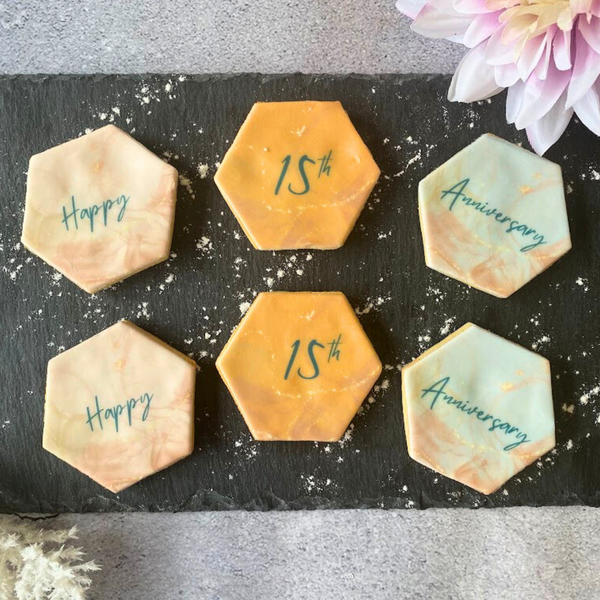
{"points": [[568, 408], [569, 445], [244, 306], [102, 116], [204, 244], [280, 274], [405, 488], [505, 492], [445, 330], [543, 340], [269, 281], [347, 436], [168, 87], [116, 110], [585, 398], [186, 182], [582, 282], [595, 175], [88, 130], [203, 170], [170, 278], [309, 257], [299, 272]]}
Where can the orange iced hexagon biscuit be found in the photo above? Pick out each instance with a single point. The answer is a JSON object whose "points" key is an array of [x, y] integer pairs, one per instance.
{"points": [[297, 175], [299, 366], [478, 408], [99, 208], [120, 406]]}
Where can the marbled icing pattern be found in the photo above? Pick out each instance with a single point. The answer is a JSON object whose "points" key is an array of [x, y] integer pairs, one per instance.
{"points": [[259, 354], [476, 249], [249, 174], [120, 363], [102, 165], [498, 377]]}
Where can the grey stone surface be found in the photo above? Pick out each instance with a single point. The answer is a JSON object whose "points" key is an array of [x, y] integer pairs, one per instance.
{"points": [[539, 554], [211, 36], [502, 554]]}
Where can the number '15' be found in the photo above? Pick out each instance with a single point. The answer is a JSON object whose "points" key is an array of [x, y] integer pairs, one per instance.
{"points": [[311, 355], [286, 163]]}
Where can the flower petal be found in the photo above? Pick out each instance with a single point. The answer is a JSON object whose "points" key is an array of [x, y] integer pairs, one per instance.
{"points": [[433, 23], [532, 52], [585, 70], [540, 96], [471, 7], [588, 109], [544, 133], [562, 50], [590, 30], [506, 75], [410, 8], [474, 78], [541, 70], [482, 27], [514, 100], [496, 52]]}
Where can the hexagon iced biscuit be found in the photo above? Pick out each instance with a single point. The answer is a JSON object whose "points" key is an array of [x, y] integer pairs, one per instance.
{"points": [[297, 175], [299, 366], [120, 406], [99, 208], [478, 408], [494, 216]]}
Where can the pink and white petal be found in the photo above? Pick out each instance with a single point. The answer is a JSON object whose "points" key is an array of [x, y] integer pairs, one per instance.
{"points": [[471, 7], [588, 109], [410, 8], [532, 52], [473, 79], [496, 52], [585, 70], [482, 27], [433, 23], [539, 96], [506, 75], [561, 47], [544, 133], [514, 100], [541, 70], [590, 30]]}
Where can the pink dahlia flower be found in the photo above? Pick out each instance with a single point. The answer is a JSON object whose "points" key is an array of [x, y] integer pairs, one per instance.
{"points": [[546, 52]]}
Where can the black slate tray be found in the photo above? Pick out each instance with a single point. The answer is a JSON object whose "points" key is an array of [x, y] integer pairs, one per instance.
{"points": [[193, 301]]}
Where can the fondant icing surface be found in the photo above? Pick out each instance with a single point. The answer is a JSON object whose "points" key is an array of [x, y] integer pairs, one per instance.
{"points": [[494, 216], [297, 175], [99, 208], [120, 406], [478, 408], [299, 366]]}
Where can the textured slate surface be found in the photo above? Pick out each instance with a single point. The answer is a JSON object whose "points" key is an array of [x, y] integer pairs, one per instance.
{"points": [[193, 301]]}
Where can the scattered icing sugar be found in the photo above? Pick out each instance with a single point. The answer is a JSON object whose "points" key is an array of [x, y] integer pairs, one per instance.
{"points": [[187, 184], [203, 170], [244, 306], [544, 339], [585, 398], [372, 304], [445, 329]]}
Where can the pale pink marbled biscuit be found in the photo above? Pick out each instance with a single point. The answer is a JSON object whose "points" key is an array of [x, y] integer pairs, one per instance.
{"points": [[121, 363], [85, 174], [469, 383]]}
